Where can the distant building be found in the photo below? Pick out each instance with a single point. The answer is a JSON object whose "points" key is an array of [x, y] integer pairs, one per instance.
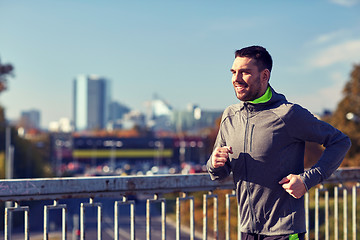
{"points": [[64, 125], [30, 119], [194, 119], [117, 111], [159, 114], [160, 108], [91, 102], [162, 117], [133, 119]]}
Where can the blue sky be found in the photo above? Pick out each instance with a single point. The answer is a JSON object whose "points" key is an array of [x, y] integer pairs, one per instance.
{"points": [[179, 50]]}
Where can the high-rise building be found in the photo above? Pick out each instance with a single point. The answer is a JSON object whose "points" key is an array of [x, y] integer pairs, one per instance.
{"points": [[91, 102]]}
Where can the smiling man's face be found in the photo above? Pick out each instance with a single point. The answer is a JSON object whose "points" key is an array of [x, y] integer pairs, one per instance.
{"points": [[249, 83]]}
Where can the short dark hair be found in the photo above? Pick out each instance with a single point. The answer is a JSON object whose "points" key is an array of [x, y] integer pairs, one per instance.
{"points": [[260, 54]]}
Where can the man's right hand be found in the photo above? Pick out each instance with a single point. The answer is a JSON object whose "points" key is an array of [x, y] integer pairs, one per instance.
{"points": [[220, 156]]}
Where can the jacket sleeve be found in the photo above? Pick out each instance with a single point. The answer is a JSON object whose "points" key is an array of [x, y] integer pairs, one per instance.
{"points": [[221, 172], [306, 127]]}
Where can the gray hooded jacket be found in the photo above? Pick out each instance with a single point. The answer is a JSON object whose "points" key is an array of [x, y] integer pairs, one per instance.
{"points": [[268, 141]]}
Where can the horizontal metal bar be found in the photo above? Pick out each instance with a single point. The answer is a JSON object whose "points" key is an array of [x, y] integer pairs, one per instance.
{"points": [[77, 187], [347, 174], [60, 188]]}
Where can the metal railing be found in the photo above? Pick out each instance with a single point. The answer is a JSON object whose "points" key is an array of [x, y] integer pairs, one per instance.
{"points": [[154, 188]]}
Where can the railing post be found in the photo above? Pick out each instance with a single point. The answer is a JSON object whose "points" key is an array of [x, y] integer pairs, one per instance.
{"points": [[82, 218], [354, 205], [317, 214], [215, 217], [148, 216], [228, 217], [327, 223], [46, 220], [354, 211], [238, 227], [178, 216], [336, 212], [17, 208], [132, 217], [345, 217], [307, 216]]}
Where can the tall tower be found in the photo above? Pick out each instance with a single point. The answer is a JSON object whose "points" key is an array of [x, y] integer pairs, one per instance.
{"points": [[91, 102]]}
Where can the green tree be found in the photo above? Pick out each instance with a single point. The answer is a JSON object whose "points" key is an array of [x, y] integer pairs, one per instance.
{"points": [[346, 117], [29, 160]]}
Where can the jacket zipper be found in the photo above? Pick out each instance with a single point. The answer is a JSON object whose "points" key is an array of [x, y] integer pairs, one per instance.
{"points": [[251, 137], [251, 206]]}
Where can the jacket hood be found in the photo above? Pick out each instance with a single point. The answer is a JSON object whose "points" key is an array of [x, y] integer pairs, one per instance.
{"points": [[276, 100]]}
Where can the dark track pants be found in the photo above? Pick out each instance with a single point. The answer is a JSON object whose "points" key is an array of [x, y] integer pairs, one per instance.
{"points": [[251, 236]]}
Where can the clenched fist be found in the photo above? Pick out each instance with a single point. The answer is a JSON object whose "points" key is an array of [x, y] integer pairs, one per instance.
{"points": [[293, 185], [220, 156]]}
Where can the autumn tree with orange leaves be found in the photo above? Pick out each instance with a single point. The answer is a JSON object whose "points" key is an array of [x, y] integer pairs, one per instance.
{"points": [[346, 117]]}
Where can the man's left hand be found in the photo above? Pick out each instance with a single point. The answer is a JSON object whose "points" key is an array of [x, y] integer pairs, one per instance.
{"points": [[293, 185]]}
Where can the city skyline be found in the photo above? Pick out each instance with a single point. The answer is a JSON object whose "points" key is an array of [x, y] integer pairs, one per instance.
{"points": [[180, 50]]}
